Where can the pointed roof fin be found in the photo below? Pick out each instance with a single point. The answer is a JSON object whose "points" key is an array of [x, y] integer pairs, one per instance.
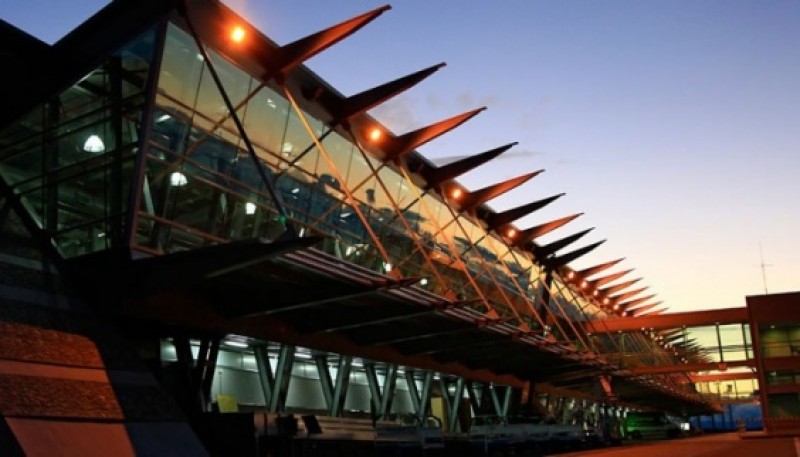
{"points": [[497, 220], [478, 197], [343, 109], [541, 252], [559, 261], [296, 52], [395, 147], [434, 176], [591, 271], [532, 233], [610, 278]]}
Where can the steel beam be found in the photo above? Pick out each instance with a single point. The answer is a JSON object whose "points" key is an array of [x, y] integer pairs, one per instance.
{"points": [[669, 321], [691, 367]]}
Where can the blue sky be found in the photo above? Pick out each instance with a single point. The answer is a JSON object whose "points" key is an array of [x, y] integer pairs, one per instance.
{"points": [[674, 126]]}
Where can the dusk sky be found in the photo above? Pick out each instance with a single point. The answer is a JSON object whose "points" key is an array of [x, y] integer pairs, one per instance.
{"points": [[674, 126]]}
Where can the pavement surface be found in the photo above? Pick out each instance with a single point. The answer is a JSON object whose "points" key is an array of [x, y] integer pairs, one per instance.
{"points": [[723, 445]]}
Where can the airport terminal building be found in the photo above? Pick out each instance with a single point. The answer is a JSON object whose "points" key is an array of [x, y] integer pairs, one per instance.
{"points": [[194, 223]]}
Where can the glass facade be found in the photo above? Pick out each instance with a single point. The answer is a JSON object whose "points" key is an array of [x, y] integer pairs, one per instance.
{"points": [[201, 186], [71, 159]]}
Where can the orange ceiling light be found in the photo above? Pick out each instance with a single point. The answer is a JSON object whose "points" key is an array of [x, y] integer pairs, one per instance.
{"points": [[456, 193], [375, 134], [238, 34], [511, 233]]}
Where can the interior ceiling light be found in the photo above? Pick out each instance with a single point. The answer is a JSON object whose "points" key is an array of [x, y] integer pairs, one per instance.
{"points": [[238, 34], [94, 144], [511, 233], [456, 193], [249, 208], [178, 179]]}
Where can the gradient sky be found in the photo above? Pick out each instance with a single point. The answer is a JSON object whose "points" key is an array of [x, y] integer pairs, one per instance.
{"points": [[674, 126]]}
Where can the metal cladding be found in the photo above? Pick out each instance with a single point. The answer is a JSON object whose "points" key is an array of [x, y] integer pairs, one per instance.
{"points": [[564, 259], [395, 147], [641, 309], [541, 252], [497, 221], [630, 294], [435, 176], [634, 302], [528, 235], [470, 200], [343, 109], [612, 277], [591, 271], [293, 54], [618, 287]]}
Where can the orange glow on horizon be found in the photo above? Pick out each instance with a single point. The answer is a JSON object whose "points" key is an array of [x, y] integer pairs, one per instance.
{"points": [[238, 34]]}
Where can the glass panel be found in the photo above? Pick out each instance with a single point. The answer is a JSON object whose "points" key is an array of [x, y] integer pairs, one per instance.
{"points": [[71, 159], [780, 340]]}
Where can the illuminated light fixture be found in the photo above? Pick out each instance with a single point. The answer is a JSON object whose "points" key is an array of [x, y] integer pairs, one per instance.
{"points": [[596, 292], [511, 233], [178, 179], [94, 144], [249, 208], [236, 343], [616, 307], [163, 117], [295, 190], [387, 267], [456, 193], [584, 284], [375, 134], [606, 301], [303, 355], [423, 281], [238, 34], [570, 275]]}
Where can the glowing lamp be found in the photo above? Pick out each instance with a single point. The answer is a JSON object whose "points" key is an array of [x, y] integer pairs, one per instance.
{"points": [[94, 144], [238, 34], [511, 233], [456, 193], [375, 134]]}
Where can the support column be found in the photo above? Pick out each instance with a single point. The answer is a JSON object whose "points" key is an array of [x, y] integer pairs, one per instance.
{"points": [[196, 374], [342, 383], [452, 403], [275, 386], [381, 401], [420, 399]]}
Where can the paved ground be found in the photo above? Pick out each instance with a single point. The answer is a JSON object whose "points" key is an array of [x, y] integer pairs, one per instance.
{"points": [[724, 445]]}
